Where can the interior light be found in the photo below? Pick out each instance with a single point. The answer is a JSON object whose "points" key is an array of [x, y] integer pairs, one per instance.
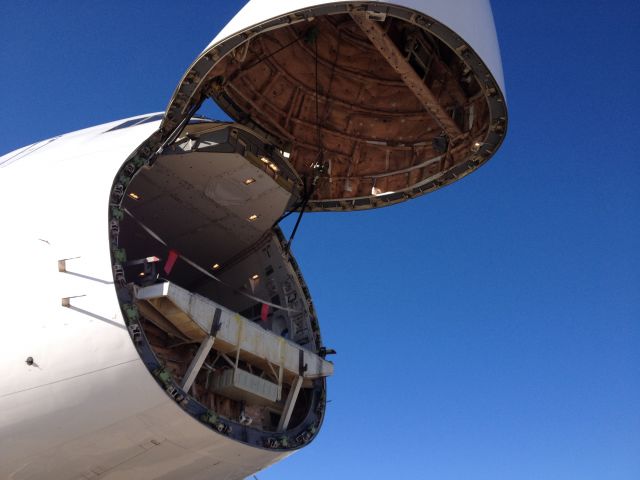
{"points": [[215, 266], [141, 274], [255, 277], [265, 160], [253, 218], [249, 181], [378, 193], [134, 196], [274, 167]]}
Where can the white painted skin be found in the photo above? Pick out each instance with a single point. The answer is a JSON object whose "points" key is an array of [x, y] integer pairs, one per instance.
{"points": [[470, 19], [88, 403]]}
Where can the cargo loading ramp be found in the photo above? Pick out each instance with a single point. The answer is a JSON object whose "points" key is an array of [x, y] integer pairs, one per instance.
{"points": [[200, 319]]}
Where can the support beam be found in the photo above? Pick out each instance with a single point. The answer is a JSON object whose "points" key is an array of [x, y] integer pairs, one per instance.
{"points": [[289, 404], [150, 313], [378, 37], [228, 360], [273, 370], [237, 337], [281, 370], [196, 363]]}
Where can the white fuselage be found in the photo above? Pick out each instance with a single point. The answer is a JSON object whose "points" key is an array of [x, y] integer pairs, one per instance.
{"points": [[87, 406]]}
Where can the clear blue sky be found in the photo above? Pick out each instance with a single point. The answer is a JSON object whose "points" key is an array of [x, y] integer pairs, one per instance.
{"points": [[490, 330]]}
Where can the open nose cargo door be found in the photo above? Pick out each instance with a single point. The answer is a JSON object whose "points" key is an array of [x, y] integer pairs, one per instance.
{"points": [[372, 103], [337, 106]]}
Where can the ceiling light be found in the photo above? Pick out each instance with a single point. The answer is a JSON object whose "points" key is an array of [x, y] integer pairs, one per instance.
{"points": [[215, 266], [141, 274], [253, 218], [274, 167], [255, 277], [378, 193], [265, 160], [249, 181], [134, 196]]}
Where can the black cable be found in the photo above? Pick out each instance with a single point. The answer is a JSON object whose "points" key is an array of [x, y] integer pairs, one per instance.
{"points": [[318, 130], [319, 166], [305, 200], [193, 264], [285, 215], [295, 229], [178, 130], [266, 57]]}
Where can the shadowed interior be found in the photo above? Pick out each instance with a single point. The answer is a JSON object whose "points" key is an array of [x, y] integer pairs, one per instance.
{"points": [[211, 202], [352, 95]]}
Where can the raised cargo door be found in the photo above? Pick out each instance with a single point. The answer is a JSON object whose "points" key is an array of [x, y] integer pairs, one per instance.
{"points": [[370, 103]]}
